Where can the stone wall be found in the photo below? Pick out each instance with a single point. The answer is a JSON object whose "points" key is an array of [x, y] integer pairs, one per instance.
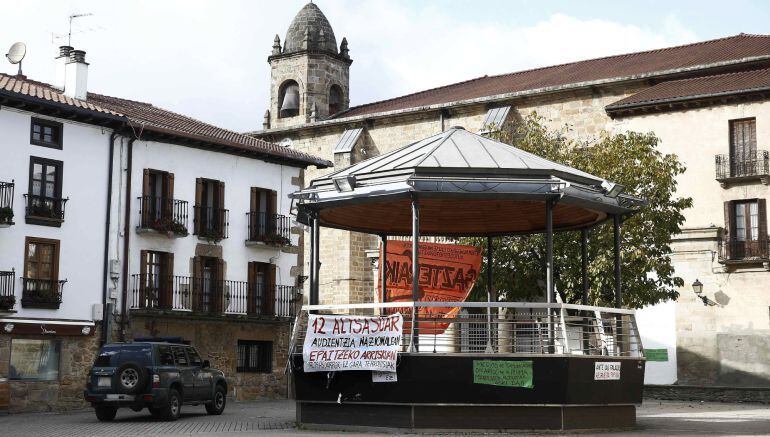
{"points": [[77, 354], [216, 340]]}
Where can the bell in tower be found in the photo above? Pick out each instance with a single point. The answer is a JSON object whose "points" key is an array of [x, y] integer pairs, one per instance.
{"points": [[309, 73]]}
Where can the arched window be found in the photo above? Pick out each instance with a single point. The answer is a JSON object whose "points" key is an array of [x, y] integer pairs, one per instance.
{"points": [[335, 99], [288, 99]]}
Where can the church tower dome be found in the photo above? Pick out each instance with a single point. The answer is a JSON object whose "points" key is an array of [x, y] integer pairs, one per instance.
{"points": [[309, 73], [310, 21]]}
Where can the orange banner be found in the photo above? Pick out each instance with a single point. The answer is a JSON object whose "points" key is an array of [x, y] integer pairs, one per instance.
{"points": [[447, 274]]}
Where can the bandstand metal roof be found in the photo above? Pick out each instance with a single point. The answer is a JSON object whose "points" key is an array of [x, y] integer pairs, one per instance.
{"points": [[466, 184]]}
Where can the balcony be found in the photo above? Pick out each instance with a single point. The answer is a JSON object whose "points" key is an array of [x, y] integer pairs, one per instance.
{"points": [[211, 223], [7, 295], [269, 229], [754, 166], [210, 297], [43, 210], [6, 204], [41, 293], [163, 215], [743, 252]]}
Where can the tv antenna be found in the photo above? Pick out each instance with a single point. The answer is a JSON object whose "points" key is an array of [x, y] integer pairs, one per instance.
{"points": [[16, 54], [68, 35]]}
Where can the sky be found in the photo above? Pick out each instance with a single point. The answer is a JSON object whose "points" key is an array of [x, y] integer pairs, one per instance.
{"points": [[208, 59]]}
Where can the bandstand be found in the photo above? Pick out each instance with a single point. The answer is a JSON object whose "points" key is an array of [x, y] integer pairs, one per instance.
{"points": [[576, 366]]}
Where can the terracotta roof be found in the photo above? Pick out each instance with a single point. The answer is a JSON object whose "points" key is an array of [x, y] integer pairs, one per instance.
{"points": [[723, 50], [701, 87], [145, 116]]}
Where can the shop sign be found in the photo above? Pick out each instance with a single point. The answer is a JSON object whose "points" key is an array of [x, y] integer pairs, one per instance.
{"points": [[334, 343], [606, 371]]}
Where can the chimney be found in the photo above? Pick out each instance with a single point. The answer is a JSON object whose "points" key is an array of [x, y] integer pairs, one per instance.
{"points": [[76, 75], [61, 61]]}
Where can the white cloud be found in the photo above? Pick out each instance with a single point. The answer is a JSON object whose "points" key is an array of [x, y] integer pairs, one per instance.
{"points": [[208, 59]]}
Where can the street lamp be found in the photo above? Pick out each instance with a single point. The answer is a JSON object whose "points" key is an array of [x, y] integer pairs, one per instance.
{"points": [[697, 287]]}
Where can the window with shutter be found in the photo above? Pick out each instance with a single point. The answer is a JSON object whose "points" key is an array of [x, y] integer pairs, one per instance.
{"points": [[743, 147]]}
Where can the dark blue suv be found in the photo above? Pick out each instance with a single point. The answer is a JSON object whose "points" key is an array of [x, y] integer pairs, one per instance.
{"points": [[159, 376]]}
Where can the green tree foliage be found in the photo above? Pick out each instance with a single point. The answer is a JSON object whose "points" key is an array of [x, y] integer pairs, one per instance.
{"points": [[631, 159]]}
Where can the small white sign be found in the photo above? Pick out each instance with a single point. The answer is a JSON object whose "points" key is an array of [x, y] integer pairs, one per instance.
{"points": [[606, 371], [384, 376]]}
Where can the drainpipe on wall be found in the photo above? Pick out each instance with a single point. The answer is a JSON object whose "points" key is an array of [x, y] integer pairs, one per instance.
{"points": [[106, 314], [126, 238]]}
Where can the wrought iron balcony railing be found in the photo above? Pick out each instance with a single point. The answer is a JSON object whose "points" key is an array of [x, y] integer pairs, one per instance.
{"points": [[6, 203], [753, 165], [42, 293], [208, 296], [163, 215], [751, 250], [211, 223], [273, 229], [43, 208], [7, 292]]}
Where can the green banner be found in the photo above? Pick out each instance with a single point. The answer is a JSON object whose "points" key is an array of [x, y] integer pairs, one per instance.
{"points": [[503, 373], [656, 354]]}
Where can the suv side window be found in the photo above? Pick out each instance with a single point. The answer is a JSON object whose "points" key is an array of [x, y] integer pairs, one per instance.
{"points": [[165, 357], [195, 359], [179, 356]]}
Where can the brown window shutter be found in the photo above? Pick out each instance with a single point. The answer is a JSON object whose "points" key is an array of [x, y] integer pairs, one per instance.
{"points": [[167, 293], [270, 291], [762, 208], [197, 284], [221, 206], [198, 205], [254, 214], [219, 287], [272, 210], [272, 203], [251, 297], [146, 183], [170, 185], [143, 278]]}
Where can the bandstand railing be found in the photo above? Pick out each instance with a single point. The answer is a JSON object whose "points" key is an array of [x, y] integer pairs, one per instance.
{"points": [[499, 328]]}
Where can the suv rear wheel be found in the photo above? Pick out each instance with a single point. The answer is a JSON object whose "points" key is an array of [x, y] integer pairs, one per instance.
{"points": [[105, 413], [173, 407], [217, 405]]}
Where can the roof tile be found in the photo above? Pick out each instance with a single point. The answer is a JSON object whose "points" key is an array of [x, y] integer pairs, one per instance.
{"points": [[729, 49]]}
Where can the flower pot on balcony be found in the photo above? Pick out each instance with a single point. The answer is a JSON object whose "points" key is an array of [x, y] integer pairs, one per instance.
{"points": [[6, 217]]}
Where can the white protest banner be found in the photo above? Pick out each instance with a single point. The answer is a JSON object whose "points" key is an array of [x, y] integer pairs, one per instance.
{"points": [[334, 343]]}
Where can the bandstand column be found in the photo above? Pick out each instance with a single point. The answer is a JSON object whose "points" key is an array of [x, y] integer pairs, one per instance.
{"points": [[383, 266], [415, 271], [618, 291], [584, 263], [314, 261], [489, 295], [549, 251]]}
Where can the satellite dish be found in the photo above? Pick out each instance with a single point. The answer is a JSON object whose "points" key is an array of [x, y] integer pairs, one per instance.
{"points": [[16, 54]]}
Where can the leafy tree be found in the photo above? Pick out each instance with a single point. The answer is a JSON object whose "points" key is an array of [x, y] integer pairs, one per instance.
{"points": [[631, 159]]}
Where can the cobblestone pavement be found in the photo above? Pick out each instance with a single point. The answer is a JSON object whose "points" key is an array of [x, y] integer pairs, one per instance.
{"points": [[277, 418]]}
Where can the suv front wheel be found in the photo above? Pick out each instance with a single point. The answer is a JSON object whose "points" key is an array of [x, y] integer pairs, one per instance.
{"points": [[173, 407], [217, 405]]}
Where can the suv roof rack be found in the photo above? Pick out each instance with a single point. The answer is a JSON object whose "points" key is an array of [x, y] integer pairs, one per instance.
{"points": [[179, 340]]}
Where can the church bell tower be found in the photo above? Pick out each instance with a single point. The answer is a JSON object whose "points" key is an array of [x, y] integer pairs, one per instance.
{"points": [[309, 73]]}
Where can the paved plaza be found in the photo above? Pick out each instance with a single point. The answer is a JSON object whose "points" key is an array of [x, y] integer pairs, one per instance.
{"points": [[277, 417]]}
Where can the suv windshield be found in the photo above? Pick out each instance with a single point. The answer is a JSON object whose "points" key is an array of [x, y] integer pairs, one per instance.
{"points": [[116, 354]]}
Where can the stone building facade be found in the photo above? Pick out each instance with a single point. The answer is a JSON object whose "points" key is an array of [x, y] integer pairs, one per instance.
{"points": [[722, 344]]}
